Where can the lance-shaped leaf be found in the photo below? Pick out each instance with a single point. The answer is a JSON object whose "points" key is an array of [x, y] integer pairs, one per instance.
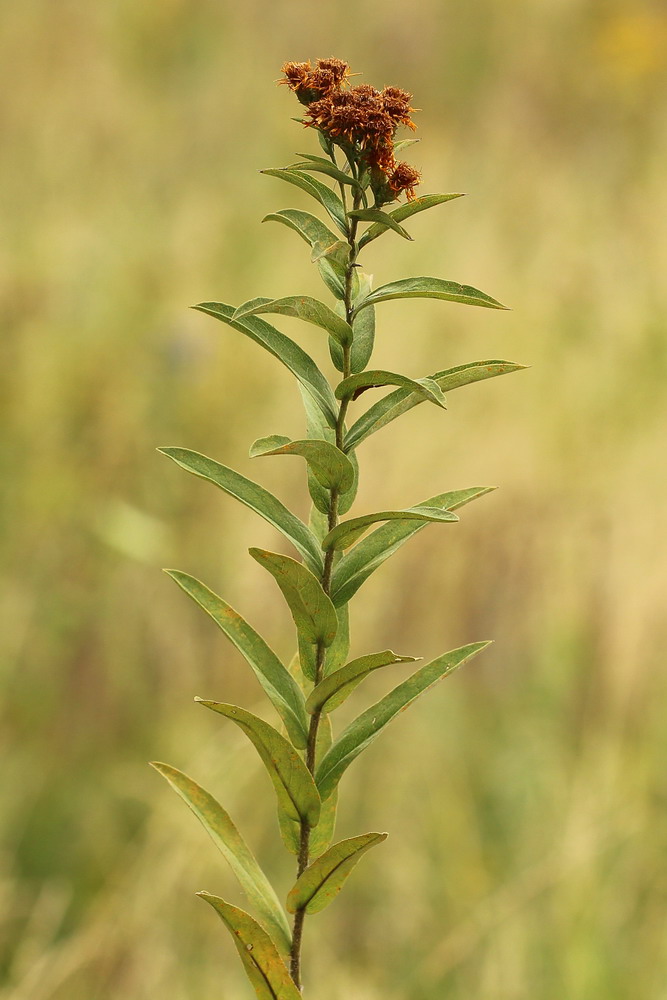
{"points": [[254, 496], [347, 532], [352, 386], [284, 349], [263, 965], [404, 212], [339, 649], [363, 327], [326, 197], [384, 219], [322, 881], [333, 260], [234, 849], [320, 165], [276, 680], [401, 400], [322, 835], [313, 613], [318, 429], [430, 288], [330, 465], [295, 790], [357, 565], [369, 724], [301, 307], [339, 251], [315, 233], [336, 687], [308, 226], [403, 144]]}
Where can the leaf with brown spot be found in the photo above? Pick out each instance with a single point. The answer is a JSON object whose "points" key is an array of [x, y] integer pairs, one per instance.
{"points": [[263, 965]]}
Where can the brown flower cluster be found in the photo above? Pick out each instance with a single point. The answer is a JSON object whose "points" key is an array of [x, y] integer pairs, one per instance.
{"points": [[310, 83], [362, 118]]}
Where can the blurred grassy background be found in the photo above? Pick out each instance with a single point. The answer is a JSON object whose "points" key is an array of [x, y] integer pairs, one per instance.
{"points": [[526, 798]]}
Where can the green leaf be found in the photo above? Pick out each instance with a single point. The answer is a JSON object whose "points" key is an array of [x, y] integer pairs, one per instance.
{"points": [[338, 686], [325, 142], [302, 307], [405, 211], [326, 197], [313, 613], [316, 428], [396, 403], [354, 385], [276, 680], [234, 849], [293, 783], [322, 835], [322, 881], [332, 261], [357, 565], [380, 218], [338, 251], [347, 532], [285, 350], [330, 466], [339, 649], [253, 496], [315, 233], [430, 288], [403, 144], [309, 227], [319, 164], [369, 724], [263, 965], [363, 327]]}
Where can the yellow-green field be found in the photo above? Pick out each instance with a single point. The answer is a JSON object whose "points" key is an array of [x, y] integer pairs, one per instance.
{"points": [[526, 798]]}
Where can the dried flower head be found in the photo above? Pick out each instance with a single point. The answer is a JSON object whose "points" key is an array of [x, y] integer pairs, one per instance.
{"points": [[310, 83], [362, 119], [396, 103], [404, 178]]}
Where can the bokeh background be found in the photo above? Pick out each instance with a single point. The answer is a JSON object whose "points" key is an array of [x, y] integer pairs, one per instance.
{"points": [[526, 797]]}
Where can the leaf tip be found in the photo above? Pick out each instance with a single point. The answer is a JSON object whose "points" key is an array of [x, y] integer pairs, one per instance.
{"points": [[203, 894]]}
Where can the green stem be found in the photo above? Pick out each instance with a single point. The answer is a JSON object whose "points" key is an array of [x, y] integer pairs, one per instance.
{"points": [[311, 748]]}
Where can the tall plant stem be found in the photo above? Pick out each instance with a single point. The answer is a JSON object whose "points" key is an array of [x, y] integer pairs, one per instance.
{"points": [[311, 748]]}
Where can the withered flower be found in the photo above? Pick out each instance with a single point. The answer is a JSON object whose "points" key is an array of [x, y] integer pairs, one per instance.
{"points": [[404, 178], [310, 83], [296, 74], [362, 119], [396, 103]]}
